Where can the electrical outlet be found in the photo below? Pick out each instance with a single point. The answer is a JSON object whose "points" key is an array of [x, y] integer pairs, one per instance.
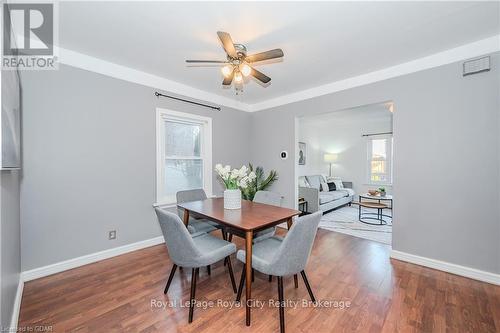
{"points": [[112, 234]]}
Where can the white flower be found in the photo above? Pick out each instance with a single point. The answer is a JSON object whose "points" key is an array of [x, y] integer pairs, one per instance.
{"points": [[235, 174], [243, 183], [252, 176], [243, 171]]}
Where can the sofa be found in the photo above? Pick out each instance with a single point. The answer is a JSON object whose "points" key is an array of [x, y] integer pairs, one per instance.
{"points": [[317, 198]]}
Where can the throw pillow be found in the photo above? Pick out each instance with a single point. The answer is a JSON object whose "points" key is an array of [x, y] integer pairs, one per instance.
{"points": [[325, 187], [338, 183], [332, 187]]}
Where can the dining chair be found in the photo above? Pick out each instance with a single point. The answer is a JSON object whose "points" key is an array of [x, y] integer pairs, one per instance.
{"points": [[281, 257], [268, 198], [195, 226], [195, 252]]}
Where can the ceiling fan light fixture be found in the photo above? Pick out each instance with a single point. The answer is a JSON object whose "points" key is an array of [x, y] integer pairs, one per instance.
{"points": [[238, 78], [227, 70], [245, 69]]}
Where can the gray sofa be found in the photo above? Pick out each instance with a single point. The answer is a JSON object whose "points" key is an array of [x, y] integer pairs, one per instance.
{"points": [[310, 190]]}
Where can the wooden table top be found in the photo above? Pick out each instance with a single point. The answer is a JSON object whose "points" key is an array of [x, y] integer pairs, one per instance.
{"points": [[251, 216]]}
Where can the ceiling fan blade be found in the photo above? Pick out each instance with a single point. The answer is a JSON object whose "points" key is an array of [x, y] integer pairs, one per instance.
{"points": [[227, 43], [207, 61], [260, 76], [272, 54], [227, 80]]}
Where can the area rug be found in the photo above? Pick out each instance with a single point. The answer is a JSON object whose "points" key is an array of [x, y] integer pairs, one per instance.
{"points": [[345, 220]]}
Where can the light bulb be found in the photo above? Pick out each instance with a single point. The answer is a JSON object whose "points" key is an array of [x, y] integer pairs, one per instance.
{"points": [[245, 69], [238, 77], [227, 70]]}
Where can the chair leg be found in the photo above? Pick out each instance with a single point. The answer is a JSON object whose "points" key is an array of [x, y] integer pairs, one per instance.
{"points": [[281, 309], [194, 273], [230, 239], [295, 281], [270, 278], [209, 271], [170, 277], [224, 237], [242, 282], [309, 290], [231, 275]]}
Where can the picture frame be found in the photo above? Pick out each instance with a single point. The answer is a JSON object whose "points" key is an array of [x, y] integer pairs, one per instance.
{"points": [[302, 153]]}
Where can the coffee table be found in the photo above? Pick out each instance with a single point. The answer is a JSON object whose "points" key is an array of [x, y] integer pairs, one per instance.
{"points": [[379, 199]]}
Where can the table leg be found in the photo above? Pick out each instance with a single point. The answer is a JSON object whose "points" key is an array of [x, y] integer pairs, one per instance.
{"points": [[186, 217], [248, 265], [289, 222]]}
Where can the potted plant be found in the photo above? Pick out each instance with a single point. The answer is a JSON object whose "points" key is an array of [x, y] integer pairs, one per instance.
{"points": [[259, 183], [382, 191], [233, 180]]}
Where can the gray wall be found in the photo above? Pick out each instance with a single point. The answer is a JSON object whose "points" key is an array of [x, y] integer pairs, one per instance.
{"points": [[89, 161], [446, 159], [10, 248]]}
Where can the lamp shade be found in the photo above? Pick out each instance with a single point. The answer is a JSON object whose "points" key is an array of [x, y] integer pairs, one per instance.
{"points": [[330, 158]]}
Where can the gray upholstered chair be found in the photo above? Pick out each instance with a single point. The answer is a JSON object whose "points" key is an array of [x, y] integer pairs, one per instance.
{"points": [[195, 226], [268, 198], [195, 252], [282, 257]]}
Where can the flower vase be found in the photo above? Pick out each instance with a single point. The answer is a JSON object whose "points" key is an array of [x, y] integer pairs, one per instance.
{"points": [[232, 199]]}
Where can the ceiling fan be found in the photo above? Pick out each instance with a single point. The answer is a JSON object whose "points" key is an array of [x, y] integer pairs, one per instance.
{"points": [[238, 62]]}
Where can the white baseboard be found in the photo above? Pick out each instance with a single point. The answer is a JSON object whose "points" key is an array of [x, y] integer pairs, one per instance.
{"points": [[16, 308], [87, 259], [468, 272]]}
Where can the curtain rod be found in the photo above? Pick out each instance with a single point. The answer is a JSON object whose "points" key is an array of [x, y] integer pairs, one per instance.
{"points": [[157, 94], [372, 134]]}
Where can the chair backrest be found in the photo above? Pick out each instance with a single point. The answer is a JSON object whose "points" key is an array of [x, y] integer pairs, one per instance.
{"points": [[180, 244], [294, 251], [267, 197], [189, 195]]}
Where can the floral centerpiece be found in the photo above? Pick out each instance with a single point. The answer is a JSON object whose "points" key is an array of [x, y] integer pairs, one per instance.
{"points": [[234, 180]]}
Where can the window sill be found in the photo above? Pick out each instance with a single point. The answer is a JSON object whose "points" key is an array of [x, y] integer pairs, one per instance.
{"points": [[378, 184], [167, 204], [164, 204]]}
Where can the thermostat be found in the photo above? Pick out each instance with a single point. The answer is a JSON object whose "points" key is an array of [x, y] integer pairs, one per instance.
{"points": [[284, 155]]}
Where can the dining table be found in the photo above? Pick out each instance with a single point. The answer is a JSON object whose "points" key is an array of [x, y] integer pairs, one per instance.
{"points": [[249, 219]]}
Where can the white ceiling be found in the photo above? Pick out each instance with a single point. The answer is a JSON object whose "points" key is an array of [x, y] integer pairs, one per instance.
{"points": [[323, 42]]}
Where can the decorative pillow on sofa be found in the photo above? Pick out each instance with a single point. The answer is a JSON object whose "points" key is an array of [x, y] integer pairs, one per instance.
{"points": [[338, 183], [331, 186], [325, 187]]}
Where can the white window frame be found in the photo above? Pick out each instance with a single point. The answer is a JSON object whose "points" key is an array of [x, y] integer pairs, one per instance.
{"points": [[389, 158], [206, 150]]}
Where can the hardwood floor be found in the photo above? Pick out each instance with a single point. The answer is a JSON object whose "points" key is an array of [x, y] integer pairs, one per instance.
{"points": [[120, 294]]}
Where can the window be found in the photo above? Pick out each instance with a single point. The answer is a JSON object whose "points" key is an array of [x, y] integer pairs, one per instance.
{"points": [[379, 164], [184, 154]]}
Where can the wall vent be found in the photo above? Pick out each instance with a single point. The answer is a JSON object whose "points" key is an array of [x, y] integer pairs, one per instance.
{"points": [[477, 65]]}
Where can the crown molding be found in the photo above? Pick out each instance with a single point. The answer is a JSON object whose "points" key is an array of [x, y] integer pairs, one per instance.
{"points": [[96, 65], [467, 51]]}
